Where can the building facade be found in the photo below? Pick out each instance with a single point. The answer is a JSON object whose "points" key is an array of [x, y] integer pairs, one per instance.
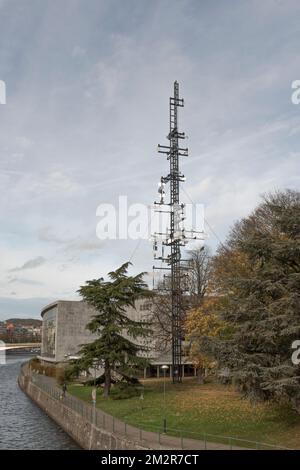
{"points": [[64, 331]]}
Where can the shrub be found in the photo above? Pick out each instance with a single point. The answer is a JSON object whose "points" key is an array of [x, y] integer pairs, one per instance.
{"points": [[57, 373], [123, 390]]}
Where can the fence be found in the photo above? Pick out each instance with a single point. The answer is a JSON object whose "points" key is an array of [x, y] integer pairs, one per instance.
{"points": [[152, 437]]}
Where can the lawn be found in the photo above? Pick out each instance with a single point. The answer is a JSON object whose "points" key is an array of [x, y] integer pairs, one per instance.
{"points": [[210, 408]]}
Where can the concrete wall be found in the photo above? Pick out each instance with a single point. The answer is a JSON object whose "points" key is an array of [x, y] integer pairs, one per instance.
{"points": [[72, 319]]}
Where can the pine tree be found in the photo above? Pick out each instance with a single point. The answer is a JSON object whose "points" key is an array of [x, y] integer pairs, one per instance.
{"points": [[263, 299], [119, 336]]}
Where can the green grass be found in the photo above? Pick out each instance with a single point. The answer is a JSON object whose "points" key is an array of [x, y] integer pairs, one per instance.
{"points": [[211, 408]]}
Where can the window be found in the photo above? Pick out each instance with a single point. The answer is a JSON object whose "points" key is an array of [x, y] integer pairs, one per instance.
{"points": [[146, 306]]}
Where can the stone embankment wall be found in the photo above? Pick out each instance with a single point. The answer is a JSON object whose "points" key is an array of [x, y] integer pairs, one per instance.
{"points": [[81, 428]]}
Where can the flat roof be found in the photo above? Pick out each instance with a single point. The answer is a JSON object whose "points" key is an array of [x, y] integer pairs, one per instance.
{"points": [[54, 304], [48, 307]]}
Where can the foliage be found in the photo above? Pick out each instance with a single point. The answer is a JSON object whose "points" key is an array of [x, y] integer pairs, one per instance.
{"points": [[54, 371], [258, 270], [123, 390], [203, 322], [120, 338], [195, 283]]}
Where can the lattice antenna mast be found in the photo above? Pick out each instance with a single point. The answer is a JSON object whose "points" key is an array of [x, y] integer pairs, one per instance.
{"points": [[175, 235]]}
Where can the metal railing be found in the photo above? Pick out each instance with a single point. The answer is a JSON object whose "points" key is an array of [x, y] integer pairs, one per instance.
{"points": [[146, 435]]}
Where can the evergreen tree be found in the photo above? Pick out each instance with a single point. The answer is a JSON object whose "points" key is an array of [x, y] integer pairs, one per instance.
{"points": [[119, 336], [261, 282]]}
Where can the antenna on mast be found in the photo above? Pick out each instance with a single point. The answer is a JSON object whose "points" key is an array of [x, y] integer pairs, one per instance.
{"points": [[175, 236]]}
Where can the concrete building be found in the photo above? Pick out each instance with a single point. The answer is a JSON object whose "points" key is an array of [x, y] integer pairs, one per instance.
{"points": [[64, 331]]}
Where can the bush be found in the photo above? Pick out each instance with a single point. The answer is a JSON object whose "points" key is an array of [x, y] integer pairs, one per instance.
{"points": [[57, 373], [123, 390]]}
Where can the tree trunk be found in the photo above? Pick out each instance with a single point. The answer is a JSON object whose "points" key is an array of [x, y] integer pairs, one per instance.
{"points": [[200, 376], [107, 379]]}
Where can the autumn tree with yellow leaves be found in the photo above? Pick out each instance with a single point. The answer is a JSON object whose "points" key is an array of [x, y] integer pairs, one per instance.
{"points": [[202, 323]]}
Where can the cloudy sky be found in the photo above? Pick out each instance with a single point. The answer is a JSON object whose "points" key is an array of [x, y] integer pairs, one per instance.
{"points": [[88, 84]]}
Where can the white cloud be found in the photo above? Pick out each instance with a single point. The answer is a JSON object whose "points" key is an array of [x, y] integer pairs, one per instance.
{"points": [[88, 104], [70, 244], [22, 280], [24, 142], [78, 51], [30, 264]]}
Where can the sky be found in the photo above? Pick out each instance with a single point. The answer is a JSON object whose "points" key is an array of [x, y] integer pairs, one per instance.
{"points": [[87, 96]]}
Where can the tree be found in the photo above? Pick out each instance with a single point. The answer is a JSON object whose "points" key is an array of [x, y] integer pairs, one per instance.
{"points": [[198, 275], [195, 281], [263, 298], [162, 319], [203, 323], [118, 345]]}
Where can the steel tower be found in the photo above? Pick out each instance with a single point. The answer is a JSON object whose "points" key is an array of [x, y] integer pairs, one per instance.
{"points": [[175, 235]]}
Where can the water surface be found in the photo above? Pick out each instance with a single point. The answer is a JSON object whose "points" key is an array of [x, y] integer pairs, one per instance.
{"points": [[22, 424]]}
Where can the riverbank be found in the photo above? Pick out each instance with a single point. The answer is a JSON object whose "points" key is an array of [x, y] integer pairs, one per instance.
{"points": [[211, 410], [79, 420], [24, 426], [92, 428], [195, 418]]}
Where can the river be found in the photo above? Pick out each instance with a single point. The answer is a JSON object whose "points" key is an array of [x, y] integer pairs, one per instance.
{"points": [[22, 424]]}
